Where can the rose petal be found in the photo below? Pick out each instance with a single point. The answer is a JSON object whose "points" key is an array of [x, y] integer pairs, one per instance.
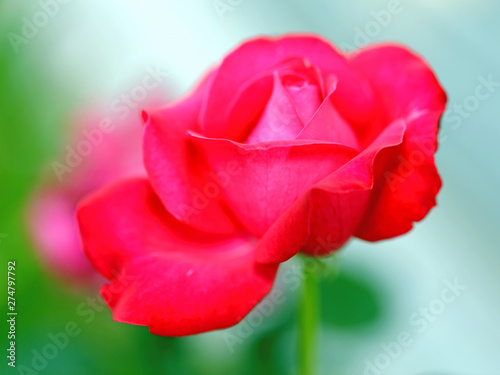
{"points": [[328, 125], [174, 170], [280, 120], [402, 80], [329, 213], [407, 181], [353, 94], [247, 106], [305, 87], [164, 274], [269, 177], [253, 101]]}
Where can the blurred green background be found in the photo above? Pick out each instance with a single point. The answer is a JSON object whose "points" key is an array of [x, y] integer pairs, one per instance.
{"points": [[88, 53]]}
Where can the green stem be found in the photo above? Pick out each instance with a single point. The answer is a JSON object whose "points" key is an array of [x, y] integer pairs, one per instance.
{"points": [[309, 319]]}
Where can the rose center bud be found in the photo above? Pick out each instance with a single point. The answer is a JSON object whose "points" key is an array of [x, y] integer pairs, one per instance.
{"points": [[305, 96], [295, 97]]}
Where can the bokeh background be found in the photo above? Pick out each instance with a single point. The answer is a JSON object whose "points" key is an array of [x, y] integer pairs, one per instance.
{"points": [[86, 54]]}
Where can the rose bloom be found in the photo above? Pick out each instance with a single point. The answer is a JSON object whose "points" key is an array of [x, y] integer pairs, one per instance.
{"points": [[287, 146]]}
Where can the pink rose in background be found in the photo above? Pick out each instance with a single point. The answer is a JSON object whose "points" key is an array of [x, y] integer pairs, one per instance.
{"points": [[114, 153]]}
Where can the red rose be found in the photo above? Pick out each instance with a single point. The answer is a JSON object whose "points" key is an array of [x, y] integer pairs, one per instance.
{"points": [[286, 146]]}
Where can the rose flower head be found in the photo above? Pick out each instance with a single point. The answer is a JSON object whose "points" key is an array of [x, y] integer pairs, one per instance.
{"points": [[286, 146]]}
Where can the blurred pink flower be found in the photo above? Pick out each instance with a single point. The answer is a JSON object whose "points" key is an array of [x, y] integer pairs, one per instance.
{"points": [[52, 221]]}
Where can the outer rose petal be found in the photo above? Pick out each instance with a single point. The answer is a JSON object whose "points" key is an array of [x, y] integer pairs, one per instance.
{"points": [[407, 181], [176, 172], [353, 95], [270, 176], [164, 274], [328, 214], [406, 184], [402, 80]]}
